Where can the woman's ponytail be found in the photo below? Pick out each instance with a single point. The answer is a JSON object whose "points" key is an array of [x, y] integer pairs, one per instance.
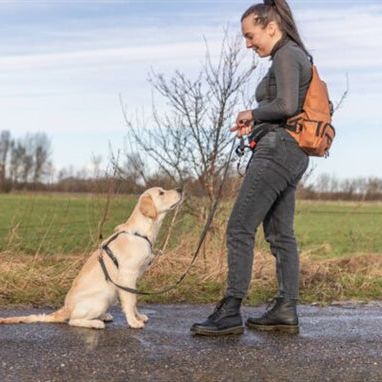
{"points": [[288, 25]]}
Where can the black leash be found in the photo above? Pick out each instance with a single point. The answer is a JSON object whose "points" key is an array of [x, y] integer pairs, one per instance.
{"points": [[105, 247]]}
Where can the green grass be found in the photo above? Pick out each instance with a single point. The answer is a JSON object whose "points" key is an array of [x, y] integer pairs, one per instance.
{"points": [[347, 227], [69, 223], [59, 223], [45, 238], [50, 223]]}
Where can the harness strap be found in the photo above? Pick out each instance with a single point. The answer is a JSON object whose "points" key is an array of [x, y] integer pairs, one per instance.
{"points": [[113, 237], [109, 252], [115, 261], [108, 278], [105, 247], [144, 237], [111, 255], [103, 267]]}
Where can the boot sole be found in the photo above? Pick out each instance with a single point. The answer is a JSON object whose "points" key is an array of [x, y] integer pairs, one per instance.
{"points": [[224, 332], [292, 329]]}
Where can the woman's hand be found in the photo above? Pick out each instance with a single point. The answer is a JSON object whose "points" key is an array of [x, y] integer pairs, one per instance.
{"points": [[243, 125]]}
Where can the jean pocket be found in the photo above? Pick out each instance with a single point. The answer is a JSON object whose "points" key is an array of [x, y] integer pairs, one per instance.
{"points": [[296, 160]]}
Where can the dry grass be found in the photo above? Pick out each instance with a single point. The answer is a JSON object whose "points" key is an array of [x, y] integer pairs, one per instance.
{"points": [[36, 280], [42, 280]]}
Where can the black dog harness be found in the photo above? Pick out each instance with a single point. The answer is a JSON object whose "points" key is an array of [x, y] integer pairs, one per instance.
{"points": [[105, 248]]}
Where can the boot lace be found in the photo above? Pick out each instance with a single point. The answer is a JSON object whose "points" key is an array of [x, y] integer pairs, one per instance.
{"points": [[218, 309], [271, 306]]}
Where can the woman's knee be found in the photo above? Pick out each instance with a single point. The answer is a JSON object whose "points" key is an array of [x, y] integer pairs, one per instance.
{"points": [[239, 238], [281, 240]]}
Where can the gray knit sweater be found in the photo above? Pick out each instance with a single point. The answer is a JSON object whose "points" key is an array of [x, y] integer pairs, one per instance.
{"points": [[281, 93]]}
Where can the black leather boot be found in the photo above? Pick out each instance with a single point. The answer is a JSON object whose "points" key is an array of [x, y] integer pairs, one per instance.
{"points": [[225, 319], [281, 316]]}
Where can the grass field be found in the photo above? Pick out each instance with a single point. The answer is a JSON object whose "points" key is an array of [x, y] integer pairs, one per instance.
{"points": [[44, 239], [63, 223]]}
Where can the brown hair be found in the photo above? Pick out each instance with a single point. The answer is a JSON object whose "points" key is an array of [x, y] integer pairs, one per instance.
{"points": [[280, 12]]}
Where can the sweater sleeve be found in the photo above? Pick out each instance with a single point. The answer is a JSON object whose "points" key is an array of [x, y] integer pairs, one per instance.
{"points": [[285, 104]]}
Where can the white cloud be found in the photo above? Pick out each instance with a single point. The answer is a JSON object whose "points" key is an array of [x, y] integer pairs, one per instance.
{"points": [[347, 37], [101, 56], [68, 79]]}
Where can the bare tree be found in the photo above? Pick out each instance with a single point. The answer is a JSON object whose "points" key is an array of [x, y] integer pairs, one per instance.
{"points": [[96, 165], [373, 186], [26, 167], [323, 183], [5, 145], [136, 167], [191, 139], [29, 158], [41, 155], [16, 161]]}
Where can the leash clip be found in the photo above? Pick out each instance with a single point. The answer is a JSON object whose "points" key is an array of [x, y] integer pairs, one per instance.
{"points": [[240, 149]]}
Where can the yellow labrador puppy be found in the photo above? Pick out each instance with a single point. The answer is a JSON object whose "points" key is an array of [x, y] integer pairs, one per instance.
{"points": [[91, 294]]}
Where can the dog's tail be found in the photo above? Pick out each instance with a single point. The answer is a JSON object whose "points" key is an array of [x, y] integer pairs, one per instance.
{"points": [[59, 316]]}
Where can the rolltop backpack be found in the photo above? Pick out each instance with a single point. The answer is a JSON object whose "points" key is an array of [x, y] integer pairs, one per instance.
{"points": [[312, 128]]}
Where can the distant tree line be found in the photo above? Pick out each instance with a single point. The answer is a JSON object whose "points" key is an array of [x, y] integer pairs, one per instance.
{"points": [[25, 160], [329, 187], [25, 164]]}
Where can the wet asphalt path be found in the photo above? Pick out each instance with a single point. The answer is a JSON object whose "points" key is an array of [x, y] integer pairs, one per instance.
{"points": [[336, 343]]}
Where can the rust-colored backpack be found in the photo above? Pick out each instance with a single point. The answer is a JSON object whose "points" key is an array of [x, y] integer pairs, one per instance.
{"points": [[312, 128]]}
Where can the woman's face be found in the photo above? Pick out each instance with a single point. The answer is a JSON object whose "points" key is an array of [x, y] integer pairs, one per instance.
{"points": [[258, 38]]}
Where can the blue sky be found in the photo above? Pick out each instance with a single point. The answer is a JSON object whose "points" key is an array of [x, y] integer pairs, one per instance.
{"points": [[63, 65]]}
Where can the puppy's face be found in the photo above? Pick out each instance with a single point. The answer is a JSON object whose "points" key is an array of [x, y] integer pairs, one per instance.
{"points": [[156, 201]]}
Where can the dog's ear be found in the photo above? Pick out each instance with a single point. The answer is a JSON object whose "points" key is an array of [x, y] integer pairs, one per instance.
{"points": [[147, 207]]}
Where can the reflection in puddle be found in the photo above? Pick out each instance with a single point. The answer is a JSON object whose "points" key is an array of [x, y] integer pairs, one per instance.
{"points": [[90, 338]]}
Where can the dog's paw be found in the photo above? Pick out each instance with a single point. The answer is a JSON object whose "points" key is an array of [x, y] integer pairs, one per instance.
{"points": [[84, 323], [107, 317], [136, 324], [142, 317], [97, 324]]}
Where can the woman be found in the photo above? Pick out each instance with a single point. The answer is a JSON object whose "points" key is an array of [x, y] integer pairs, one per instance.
{"points": [[267, 194]]}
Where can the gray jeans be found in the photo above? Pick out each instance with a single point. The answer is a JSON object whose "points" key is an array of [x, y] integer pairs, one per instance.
{"points": [[267, 196]]}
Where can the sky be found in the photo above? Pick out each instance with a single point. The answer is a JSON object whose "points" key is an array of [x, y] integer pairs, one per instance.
{"points": [[65, 64]]}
